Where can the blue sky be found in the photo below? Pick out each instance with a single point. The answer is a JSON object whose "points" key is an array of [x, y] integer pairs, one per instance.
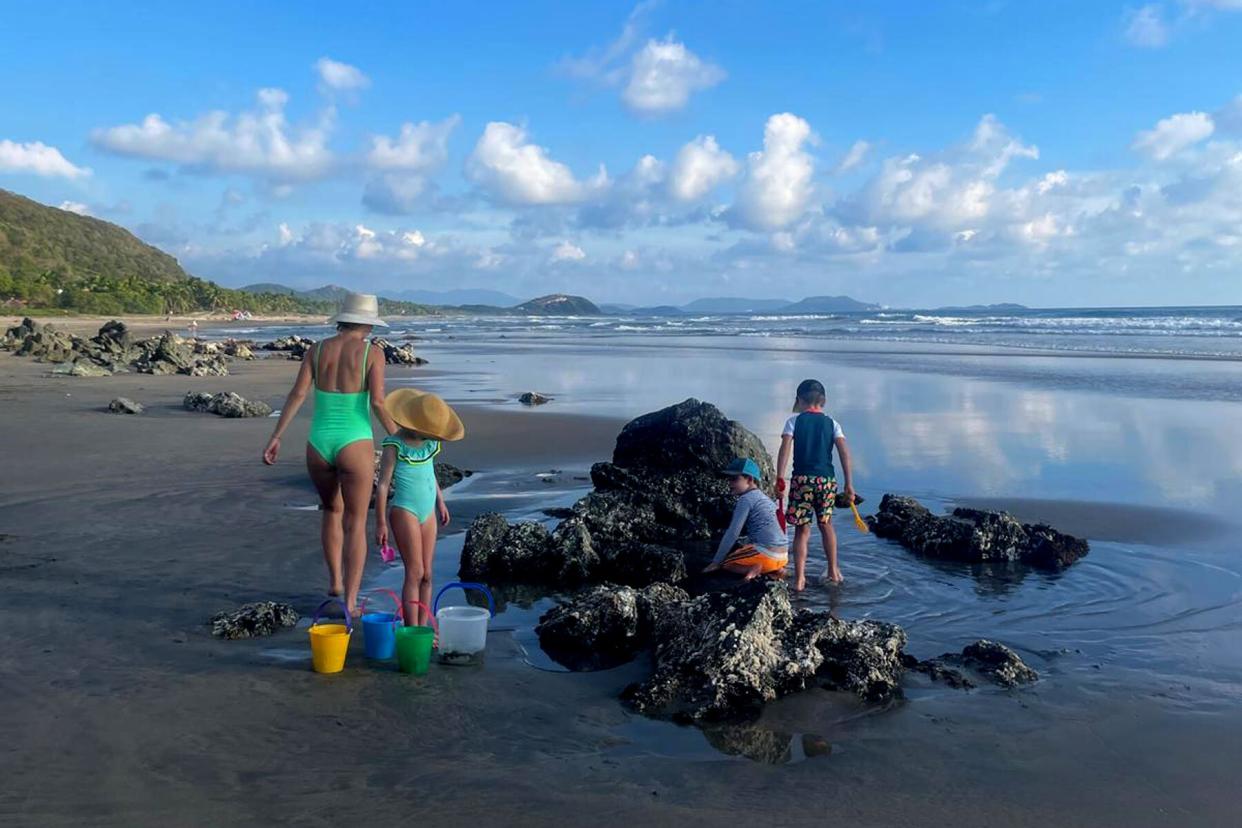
{"points": [[1052, 153]]}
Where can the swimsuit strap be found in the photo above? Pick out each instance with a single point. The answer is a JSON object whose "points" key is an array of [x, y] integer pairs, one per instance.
{"points": [[365, 354], [315, 357]]}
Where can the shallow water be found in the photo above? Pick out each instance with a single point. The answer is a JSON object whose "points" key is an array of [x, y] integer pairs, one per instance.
{"points": [[1153, 612]]}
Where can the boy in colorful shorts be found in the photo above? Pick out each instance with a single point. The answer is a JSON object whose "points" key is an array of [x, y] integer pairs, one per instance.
{"points": [[809, 437]]}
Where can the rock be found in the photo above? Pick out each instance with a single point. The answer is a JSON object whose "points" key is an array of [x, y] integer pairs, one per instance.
{"points": [[974, 535], [225, 404], [604, 626], [166, 354], [725, 654], [449, 475], [124, 405], [47, 344], [256, 620], [986, 659], [295, 346], [572, 558], [534, 398], [398, 354], [214, 366], [640, 564], [81, 368], [17, 334], [494, 548], [238, 349]]}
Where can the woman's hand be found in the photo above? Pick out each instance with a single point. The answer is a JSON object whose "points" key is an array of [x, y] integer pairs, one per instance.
{"points": [[445, 517], [270, 453], [381, 535]]}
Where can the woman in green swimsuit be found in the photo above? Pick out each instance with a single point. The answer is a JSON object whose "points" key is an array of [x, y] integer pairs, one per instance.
{"points": [[348, 381]]}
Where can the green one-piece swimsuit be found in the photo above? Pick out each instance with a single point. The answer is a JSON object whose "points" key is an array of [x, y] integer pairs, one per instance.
{"points": [[341, 417], [414, 477]]}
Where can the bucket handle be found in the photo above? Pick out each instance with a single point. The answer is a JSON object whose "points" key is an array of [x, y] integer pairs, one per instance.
{"points": [[390, 594], [465, 585], [349, 622], [430, 615]]}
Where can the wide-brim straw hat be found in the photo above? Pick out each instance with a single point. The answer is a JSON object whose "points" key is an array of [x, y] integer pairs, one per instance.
{"points": [[360, 309], [425, 413]]}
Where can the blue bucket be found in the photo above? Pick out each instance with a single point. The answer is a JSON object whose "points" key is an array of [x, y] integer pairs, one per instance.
{"points": [[379, 630]]}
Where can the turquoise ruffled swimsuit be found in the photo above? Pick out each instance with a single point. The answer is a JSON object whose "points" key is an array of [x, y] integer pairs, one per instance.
{"points": [[414, 478]]}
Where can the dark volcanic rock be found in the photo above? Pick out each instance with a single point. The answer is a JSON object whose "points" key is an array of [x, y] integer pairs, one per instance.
{"points": [[46, 344], [604, 626], [224, 404], [534, 398], [986, 659], [725, 654], [124, 405], [294, 346], [398, 354], [974, 535], [255, 620], [449, 475]]}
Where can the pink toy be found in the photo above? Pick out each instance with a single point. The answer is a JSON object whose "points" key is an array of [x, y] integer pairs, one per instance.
{"points": [[387, 554]]}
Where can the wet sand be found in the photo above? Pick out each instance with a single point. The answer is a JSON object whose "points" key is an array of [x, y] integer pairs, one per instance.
{"points": [[120, 536]]}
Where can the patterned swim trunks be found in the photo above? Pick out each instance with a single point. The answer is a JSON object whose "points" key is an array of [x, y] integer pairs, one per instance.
{"points": [[810, 496]]}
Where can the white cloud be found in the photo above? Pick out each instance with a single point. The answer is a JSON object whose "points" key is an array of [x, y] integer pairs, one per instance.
{"points": [[39, 159], [335, 76], [1174, 134], [700, 166], [777, 187], [663, 76], [516, 171], [419, 148], [1146, 26], [854, 157], [568, 252], [75, 207], [258, 142], [656, 78]]}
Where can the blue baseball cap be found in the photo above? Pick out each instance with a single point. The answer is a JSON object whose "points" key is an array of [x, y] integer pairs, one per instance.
{"points": [[743, 465]]}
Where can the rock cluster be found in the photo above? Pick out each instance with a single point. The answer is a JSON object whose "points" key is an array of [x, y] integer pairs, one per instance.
{"points": [[398, 354], [974, 535], [224, 404], [660, 499], [113, 349], [605, 626], [256, 620], [293, 347], [725, 654]]}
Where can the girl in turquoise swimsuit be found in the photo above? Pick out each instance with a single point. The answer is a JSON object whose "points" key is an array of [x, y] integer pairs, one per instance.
{"points": [[348, 382], [407, 472]]}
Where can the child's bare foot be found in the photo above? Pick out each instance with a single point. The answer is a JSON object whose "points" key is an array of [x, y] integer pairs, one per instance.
{"points": [[336, 590], [752, 573], [800, 585], [834, 577]]}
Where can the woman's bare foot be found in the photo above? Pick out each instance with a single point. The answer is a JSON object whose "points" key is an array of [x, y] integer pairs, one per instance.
{"points": [[336, 590]]}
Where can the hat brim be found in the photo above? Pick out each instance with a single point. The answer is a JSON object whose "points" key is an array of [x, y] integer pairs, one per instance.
{"points": [[357, 319], [397, 404]]}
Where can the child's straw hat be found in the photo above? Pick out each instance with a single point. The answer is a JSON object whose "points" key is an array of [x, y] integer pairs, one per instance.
{"points": [[425, 413]]}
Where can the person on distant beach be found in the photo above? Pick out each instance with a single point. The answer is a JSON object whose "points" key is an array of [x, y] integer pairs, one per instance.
{"points": [[407, 470], [340, 449], [755, 514], [808, 437]]}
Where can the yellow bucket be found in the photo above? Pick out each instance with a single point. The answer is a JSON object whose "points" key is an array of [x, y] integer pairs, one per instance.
{"points": [[329, 642]]}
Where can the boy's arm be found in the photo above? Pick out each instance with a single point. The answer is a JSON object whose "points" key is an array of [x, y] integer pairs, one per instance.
{"points": [[731, 534], [843, 451], [782, 456], [388, 464]]}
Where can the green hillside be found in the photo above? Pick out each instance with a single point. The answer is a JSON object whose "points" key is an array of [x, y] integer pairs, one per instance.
{"points": [[56, 260]]}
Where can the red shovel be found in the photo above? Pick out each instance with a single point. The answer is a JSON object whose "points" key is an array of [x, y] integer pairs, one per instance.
{"points": [[780, 502]]}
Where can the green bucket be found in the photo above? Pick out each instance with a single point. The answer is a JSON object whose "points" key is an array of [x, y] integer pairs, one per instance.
{"points": [[414, 649]]}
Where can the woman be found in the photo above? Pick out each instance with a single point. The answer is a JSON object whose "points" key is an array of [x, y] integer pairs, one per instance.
{"points": [[340, 451]]}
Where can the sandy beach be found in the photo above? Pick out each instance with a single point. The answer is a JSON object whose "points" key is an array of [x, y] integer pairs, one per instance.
{"points": [[120, 536]]}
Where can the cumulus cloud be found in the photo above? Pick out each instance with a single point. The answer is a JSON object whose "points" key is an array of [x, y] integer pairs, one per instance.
{"points": [[419, 148], [567, 252], [854, 157], [335, 76], [655, 78], [1146, 27], [700, 166], [37, 158], [514, 170], [777, 187], [664, 74], [1174, 134], [76, 207], [259, 141]]}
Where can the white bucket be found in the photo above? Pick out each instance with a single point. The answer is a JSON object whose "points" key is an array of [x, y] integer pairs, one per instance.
{"points": [[463, 633]]}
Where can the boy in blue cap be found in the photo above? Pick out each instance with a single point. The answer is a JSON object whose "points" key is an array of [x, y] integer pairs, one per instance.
{"points": [[768, 551], [809, 437]]}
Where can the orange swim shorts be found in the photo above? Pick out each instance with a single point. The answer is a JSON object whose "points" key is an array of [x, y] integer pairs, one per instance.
{"points": [[750, 555]]}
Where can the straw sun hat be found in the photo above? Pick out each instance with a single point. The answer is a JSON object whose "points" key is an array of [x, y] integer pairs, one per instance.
{"points": [[360, 309], [425, 413]]}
